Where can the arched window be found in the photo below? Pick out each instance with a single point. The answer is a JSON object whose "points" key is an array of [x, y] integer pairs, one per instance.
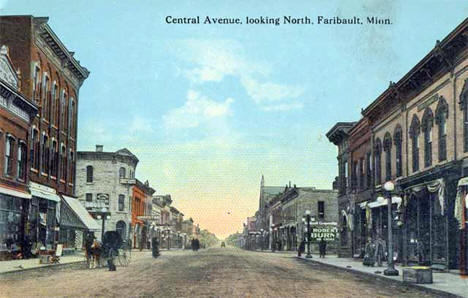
{"points": [[35, 146], [415, 129], [388, 156], [121, 202], [45, 97], [71, 117], [63, 164], [427, 123], [441, 121], [54, 159], [89, 174], [122, 172], [22, 160], [9, 149], [53, 104], [464, 107], [72, 167], [397, 140], [45, 154], [378, 161], [120, 227], [63, 109]]}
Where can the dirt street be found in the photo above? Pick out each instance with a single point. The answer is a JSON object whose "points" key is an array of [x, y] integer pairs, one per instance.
{"points": [[216, 272]]}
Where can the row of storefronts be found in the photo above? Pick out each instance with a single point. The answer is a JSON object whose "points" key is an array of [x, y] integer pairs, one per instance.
{"points": [[415, 135]]}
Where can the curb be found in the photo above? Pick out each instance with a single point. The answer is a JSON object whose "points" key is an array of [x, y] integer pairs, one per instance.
{"points": [[39, 267], [441, 293]]}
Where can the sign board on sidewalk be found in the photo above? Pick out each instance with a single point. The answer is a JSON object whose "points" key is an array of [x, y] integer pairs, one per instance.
{"points": [[327, 231]]}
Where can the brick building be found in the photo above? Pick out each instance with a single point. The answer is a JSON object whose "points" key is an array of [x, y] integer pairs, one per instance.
{"points": [[50, 78], [419, 141], [16, 114], [141, 194]]}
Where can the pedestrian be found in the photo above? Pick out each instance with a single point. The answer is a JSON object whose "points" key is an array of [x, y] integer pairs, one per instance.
{"points": [[155, 247], [301, 248], [322, 247]]}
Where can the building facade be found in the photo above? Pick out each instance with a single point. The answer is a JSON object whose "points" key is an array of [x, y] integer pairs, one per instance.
{"points": [[141, 194], [50, 79], [16, 114], [105, 182], [419, 141]]}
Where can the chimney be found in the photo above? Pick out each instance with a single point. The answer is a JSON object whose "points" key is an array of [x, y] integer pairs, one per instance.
{"points": [[99, 148]]}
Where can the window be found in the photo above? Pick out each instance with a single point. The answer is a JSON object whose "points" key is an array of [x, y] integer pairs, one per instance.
{"points": [[353, 175], [63, 164], [122, 172], [45, 154], [35, 145], [89, 174], [321, 209], [378, 162], [441, 121], [36, 84], [63, 114], [388, 156], [45, 97], [414, 135], [427, 124], [397, 139], [345, 178], [361, 174], [53, 101], [54, 159], [22, 160], [368, 170], [121, 202], [71, 117], [464, 107], [89, 197], [9, 149], [72, 167]]}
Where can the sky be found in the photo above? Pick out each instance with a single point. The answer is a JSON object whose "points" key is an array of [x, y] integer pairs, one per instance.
{"points": [[208, 109]]}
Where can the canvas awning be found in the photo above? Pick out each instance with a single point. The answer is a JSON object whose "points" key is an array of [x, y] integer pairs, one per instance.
{"points": [[384, 202], [44, 192], [15, 193], [80, 214]]}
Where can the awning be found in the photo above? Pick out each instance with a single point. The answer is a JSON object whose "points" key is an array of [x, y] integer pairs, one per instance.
{"points": [[44, 192], [80, 212], [15, 193], [384, 202]]}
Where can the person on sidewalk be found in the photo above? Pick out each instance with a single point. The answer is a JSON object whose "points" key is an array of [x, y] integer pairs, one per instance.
{"points": [[322, 247], [155, 247], [301, 248]]}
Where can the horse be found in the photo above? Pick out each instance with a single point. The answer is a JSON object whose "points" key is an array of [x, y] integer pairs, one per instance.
{"points": [[93, 254]]}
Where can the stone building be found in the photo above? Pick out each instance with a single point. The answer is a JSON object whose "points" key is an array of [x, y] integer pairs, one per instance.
{"points": [[50, 78], [419, 141], [16, 114], [105, 182]]}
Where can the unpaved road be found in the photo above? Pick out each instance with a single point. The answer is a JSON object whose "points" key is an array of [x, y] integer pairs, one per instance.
{"points": [[215, 272]]}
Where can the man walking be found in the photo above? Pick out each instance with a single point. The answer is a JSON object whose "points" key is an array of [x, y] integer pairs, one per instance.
{"points": [[322, 247]]}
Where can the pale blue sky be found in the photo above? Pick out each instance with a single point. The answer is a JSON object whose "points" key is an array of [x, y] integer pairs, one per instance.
{"points": [[209, 108]]}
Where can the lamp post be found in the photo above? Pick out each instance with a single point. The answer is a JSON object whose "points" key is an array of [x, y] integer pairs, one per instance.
{"points": [[307, 218], [389, 186], [103, 214], [273, 242]]}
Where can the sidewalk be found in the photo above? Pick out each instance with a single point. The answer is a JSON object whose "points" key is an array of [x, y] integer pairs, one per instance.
{"points": [[27, 264], [449, 282]]}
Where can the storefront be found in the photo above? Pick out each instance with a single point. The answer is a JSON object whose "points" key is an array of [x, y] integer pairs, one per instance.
{"points": [[43, 217], [12, 205], [75, 221]]}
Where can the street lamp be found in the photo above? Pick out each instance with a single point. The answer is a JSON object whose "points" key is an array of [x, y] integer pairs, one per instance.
{"points": [[389, 187], [307, 219], [103, 214]]}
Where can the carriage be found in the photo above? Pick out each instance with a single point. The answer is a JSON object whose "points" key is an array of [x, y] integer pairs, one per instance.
{"points": [[112, 247]]}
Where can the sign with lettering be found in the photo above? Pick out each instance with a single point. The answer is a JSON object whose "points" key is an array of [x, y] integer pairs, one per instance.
{"points": [[327, 231]]}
